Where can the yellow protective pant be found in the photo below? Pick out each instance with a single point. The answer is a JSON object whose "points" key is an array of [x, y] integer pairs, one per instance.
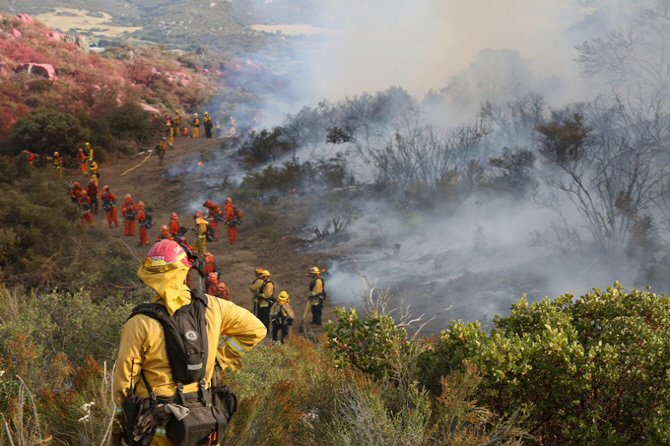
{"points": [[200, 244], [196, 132], [170, 140]]}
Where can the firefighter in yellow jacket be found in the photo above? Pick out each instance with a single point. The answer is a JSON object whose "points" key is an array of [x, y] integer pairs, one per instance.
{"points": [[196, 126], [231, 331], [200, 241], [254, 288], [317, 295], [265, 298], [282, 317]]}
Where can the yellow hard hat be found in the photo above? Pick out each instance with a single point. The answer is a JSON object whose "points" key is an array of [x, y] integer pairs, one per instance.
{"points": [[283, 297], [265, 273], [55, 153], [314, 270]]}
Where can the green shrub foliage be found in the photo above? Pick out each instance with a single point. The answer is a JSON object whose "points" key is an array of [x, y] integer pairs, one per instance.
{"points": [[592, 370], [46, 131]]}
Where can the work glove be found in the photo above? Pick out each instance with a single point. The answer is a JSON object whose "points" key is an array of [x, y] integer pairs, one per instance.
{"points": [[116, 440], [146, 424]]}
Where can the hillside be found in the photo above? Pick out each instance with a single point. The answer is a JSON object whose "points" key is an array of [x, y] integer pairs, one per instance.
{"points": [[177, 23]]}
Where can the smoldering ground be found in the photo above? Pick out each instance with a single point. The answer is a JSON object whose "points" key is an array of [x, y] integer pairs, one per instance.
{"points": [[473, 257]]}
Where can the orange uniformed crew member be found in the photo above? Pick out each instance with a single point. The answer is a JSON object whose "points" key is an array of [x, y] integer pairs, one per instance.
{"points": [[231, 220], [164, 235], [109, 205], [222, 292], [82, 160], [231, 331], [210, 266], [213, 216], [74, 192], [211, 282], [130, 213], [142, 220], [85, 206], [174, 224], [92, 192]]}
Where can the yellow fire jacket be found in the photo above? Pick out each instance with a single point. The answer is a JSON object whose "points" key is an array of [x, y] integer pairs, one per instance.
{"points": [[231, 332]]}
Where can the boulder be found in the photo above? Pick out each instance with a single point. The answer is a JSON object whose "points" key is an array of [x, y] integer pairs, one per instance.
{"points": [[38, 69], [26, 19]]}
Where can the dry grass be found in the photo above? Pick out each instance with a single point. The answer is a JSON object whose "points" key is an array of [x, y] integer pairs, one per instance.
{"points": [[68, 19]]}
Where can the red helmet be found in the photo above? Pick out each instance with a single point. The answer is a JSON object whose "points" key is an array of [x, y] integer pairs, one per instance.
{"points": [[211, 276], [105, 188], [229, 200], [207, 203], [75, 184], [173, 216], [81, 150], [221, 286], [128, 197], [92, 180], [198, 213], [140, 204], [164, 228], [165, 253]]}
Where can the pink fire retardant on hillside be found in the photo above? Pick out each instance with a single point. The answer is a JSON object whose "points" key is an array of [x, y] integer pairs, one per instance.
{"points": [[26, 19]]}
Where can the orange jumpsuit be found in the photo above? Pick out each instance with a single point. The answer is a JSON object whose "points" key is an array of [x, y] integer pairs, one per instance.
{"points": [[222, 292], [74, 192], [82, 161], [230, 223], [92, 192], [174, 226], [210, 266], [212, 286], [85, 205], [109, 199], [144, 236], [129, 223], [164, 235], [214, 210]]}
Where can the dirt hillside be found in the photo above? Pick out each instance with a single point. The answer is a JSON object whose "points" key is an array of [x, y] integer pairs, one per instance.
{"points": [[272, 248]]}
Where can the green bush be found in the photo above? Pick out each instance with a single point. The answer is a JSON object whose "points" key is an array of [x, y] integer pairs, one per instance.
{"points": [[131, 122], [592, 370], [45, 131], [37, 221]]}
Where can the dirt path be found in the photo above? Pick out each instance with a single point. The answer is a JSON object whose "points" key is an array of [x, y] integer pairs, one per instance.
{"points": [[254, 248]]}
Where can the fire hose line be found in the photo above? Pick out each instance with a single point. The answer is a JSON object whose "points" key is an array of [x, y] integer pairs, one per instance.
{"points": [[133, 168]]}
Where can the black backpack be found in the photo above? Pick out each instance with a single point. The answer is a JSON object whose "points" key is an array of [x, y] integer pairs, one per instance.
{"points": [[185, 336], [187, 347], [280, 318], [147, 223], [210, 233]]}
